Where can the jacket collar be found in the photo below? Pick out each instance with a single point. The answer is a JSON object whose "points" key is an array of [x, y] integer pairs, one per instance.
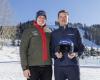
{"points": [[63, 28], [39, 25]]}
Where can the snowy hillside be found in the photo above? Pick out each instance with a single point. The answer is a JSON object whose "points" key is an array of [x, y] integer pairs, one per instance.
{"points": [[87, 42]]}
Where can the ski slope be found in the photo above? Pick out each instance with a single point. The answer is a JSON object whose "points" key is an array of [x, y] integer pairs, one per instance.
{"points": [[86, 42]]}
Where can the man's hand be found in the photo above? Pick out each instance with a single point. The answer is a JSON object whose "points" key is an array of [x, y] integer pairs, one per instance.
{"points": [[27, 73], [59, 55], [72, 55]]}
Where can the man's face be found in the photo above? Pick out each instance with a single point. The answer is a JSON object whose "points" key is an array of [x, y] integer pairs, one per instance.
{"points": [[41, 20], [63, 19]]}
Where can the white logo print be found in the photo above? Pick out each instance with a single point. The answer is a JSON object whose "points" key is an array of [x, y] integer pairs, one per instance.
{"points": [[70, 34], [35, 33]]}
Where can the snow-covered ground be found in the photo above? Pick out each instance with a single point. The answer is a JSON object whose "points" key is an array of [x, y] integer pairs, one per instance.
{"points": [[13, 71], [10, 68], [9, 53], [90, 61]]}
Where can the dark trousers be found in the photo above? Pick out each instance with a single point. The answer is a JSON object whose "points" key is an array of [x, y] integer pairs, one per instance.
{"points": [[68, 72], [41, 72]]}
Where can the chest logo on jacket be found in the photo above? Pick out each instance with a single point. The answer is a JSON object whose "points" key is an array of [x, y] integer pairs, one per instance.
{"points": [[35, 33], [71, 34]]}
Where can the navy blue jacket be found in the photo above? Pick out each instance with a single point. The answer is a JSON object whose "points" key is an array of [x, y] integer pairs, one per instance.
{"points": [[67, 33]]}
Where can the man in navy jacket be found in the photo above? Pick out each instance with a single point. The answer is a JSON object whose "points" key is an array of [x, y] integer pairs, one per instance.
{"points": [[66, 47]]}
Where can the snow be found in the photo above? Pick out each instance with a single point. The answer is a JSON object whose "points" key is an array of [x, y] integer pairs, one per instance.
{"points": [[86, 42], [9, 54], [11, 71], [10, 67], [90, 61], [90, 73]]}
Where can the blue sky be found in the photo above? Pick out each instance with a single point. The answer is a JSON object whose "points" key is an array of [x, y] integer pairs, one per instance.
{"points": [[84, 11]]}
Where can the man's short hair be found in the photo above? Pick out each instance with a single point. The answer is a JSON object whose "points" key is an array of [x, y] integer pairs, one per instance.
{"points": [[62, 11]]}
